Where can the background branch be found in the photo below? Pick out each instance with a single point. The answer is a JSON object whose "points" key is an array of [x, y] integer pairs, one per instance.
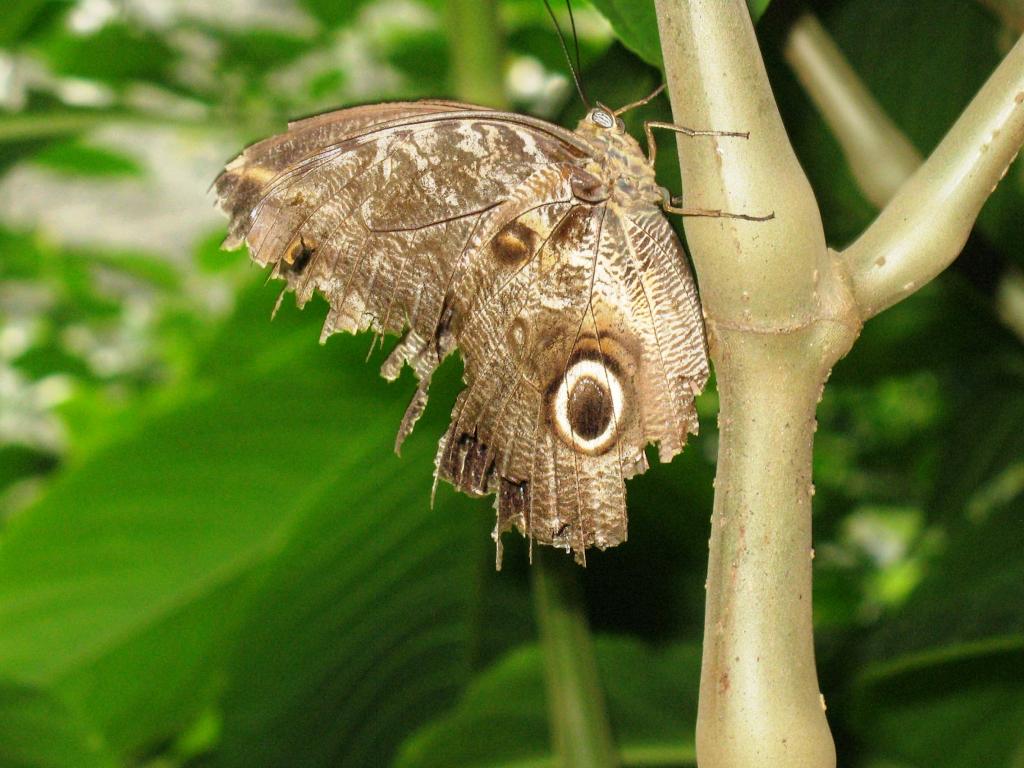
{"points": [[881, 158], [580, 732], [924, 227], [1011, 12], [478, 52]]}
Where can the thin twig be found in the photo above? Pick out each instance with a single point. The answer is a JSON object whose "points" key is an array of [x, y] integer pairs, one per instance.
{"points": [[925, 225], [881, 158]]}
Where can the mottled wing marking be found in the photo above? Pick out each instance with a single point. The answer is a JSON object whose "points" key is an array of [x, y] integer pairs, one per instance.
{"points": [[574, 309]]}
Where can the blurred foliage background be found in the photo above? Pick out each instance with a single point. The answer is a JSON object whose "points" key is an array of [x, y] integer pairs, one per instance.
{"points": [[209, 555]]}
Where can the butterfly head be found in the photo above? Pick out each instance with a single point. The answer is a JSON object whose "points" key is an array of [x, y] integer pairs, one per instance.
{"points": [[605, 119]]}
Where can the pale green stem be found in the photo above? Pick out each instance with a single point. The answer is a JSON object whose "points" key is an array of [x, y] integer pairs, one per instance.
{"points": [[779, 313], [1011, 12], [477, 52], [581, 735], [1010, 301], [880, 157], [781, 309], [580, 731]]}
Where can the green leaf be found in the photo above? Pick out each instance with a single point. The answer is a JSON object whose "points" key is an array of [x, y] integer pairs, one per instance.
{"points": [[21, 16], [115, 53], [963, 713], [971, 602], [27, 126], [501, 720], [122, 590], [945, 686], [18, 462], [636, 24], [363, 627], [37, 731], [757, 8], [371, 595], [25, 134], [76, 158], [331, 13]]}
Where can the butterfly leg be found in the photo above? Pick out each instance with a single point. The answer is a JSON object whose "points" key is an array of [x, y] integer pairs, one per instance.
{"points": [[674, 205], [652, 147]]}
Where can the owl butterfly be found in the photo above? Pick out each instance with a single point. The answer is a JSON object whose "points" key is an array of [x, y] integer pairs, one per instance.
{"points": [[540, 252]]}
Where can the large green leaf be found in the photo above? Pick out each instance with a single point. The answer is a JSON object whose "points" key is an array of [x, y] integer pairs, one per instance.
{"points": [[363, 627], [122, 590], [965, 712], [37, 731], [636, 25], [945, 681], [502, 720]]}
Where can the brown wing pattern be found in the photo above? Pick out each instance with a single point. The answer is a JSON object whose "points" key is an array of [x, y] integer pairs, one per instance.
{"points": [[576, 315]]}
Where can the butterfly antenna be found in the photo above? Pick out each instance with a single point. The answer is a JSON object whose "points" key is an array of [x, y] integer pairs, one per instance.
{"points": [[565, 49], [575, 37]]}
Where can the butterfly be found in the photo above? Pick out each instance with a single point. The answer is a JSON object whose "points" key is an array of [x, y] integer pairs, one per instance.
{"points": [[542, 254]]}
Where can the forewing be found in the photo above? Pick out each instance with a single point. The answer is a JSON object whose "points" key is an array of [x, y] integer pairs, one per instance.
{"points": [[377, 211]]}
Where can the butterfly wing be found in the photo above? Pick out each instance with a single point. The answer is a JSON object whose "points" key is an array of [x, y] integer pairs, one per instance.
{"points": [[457, 226], [582, 354]]}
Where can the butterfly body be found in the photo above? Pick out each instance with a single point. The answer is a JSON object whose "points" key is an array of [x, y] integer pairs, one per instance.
{"points": [[540, 253]]}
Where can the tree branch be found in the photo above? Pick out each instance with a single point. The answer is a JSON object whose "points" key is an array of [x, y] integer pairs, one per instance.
{"points": [[779, 314], [924, 227], [781, 309], [1010, 301], [477, 74], [1010, 12], [880, 157]]}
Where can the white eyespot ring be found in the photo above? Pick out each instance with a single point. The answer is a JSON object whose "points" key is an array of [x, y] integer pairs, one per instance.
{"points": [[603, 118], [609, 383]]}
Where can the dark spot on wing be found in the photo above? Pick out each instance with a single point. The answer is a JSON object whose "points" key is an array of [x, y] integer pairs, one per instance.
{"points": [[298, 256], [590, 408], [443, 330], [513, 501], [572, 228], [586, 186], [514, 244], [467, 464]]}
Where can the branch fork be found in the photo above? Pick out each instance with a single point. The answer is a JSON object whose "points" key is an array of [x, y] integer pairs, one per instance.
{"points": [[781, 309]]}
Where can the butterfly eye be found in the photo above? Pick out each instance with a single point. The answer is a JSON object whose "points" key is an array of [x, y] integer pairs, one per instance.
{"points": [[603, 118], [587, 407]]}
